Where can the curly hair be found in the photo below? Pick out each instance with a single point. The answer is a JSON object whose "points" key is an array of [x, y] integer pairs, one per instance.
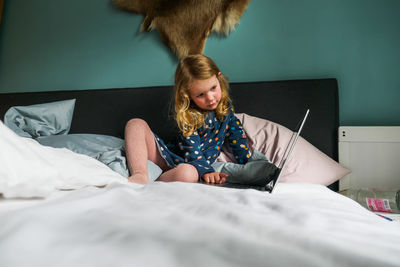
{"points": [[188, 116]]}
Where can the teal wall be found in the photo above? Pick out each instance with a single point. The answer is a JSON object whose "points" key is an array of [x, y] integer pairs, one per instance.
{"points": [[64, 45]]}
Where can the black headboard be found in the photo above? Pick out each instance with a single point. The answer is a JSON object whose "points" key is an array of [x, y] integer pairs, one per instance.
{"points": [[106, 111]]}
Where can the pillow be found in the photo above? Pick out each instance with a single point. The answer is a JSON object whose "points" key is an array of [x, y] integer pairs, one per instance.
{"points": [[306, 163], [109, 150], [42, 119], [29, 169], [258, 171]]}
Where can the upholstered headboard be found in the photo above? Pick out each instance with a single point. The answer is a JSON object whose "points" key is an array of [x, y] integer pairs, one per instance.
{"points": [[106, 111]]}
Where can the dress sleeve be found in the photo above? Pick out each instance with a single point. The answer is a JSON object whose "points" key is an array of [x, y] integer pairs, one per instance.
{"points": [[237, 140], [193, 155]]}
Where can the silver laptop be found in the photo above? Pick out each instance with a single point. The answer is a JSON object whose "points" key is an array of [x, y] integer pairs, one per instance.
{"points": [[270, 184], [288, 152]]}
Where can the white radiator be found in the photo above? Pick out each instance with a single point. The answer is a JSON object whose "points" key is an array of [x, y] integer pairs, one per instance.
{"points": [[372, 154]]}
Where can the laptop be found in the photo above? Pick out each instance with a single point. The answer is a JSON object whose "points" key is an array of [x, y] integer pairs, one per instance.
{"points": [[270, 184]]}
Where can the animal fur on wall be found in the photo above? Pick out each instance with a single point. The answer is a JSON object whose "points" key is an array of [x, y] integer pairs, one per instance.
{"points": [[184, 25]]}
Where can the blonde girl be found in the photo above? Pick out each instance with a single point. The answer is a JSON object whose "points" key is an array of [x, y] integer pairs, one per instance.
{"points": [[204, 115]]}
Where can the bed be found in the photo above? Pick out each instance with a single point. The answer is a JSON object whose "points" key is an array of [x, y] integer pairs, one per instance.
{"points": [[69, 209]]}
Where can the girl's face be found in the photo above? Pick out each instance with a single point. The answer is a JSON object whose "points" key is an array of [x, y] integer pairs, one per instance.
{"points": [[206, 94]]}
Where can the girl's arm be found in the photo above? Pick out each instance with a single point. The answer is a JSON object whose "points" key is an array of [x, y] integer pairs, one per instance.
{"points": [[238, 140]]}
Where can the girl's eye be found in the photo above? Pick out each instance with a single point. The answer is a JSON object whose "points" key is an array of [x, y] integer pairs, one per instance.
{"points": [[200, 95], [213, 88]]}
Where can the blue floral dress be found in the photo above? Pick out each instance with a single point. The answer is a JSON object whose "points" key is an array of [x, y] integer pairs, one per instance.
{"points": [[203, 147]]}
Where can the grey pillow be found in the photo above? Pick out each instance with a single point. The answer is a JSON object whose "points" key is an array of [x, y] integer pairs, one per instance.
{"points": [[41, 119], [257, 171], [109, 150]]}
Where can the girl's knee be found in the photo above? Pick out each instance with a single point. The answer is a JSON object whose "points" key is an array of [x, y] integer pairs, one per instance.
{"points": [[136, 126], [136, 122], [187, 173]]}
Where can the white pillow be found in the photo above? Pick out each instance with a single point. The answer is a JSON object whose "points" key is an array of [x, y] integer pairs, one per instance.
{"points": [[29, 169]]}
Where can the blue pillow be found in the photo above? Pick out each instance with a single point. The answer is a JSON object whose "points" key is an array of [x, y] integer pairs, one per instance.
{"points": [[41, 119]]}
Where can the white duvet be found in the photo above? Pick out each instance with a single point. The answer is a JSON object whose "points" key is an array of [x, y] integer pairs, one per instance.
{"points": [[28, 169], [181, 224]]}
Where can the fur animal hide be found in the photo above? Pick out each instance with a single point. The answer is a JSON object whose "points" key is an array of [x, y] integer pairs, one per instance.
{"points": [[184, 25]]}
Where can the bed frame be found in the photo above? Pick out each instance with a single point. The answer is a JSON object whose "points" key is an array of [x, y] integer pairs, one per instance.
{"points": [[106, 111]]}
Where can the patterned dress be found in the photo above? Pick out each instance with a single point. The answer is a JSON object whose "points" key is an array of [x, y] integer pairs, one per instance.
{"points": [[203, 147]]}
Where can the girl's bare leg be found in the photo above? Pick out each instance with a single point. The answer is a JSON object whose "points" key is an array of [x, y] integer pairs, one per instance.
{"points": [[140, 147], [183, 173]]}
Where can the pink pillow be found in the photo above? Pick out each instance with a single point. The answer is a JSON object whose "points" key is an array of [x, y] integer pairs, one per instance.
{"points": [[306, 164]]}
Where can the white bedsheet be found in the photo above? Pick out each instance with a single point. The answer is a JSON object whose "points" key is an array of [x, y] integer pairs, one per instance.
{"points": [[179, 224]]}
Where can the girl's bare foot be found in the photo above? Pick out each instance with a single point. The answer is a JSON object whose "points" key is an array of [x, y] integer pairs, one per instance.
{"points": [[139, 178]]}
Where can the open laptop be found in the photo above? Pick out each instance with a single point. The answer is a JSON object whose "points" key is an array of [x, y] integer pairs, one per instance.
{"points": [[270, 184]]}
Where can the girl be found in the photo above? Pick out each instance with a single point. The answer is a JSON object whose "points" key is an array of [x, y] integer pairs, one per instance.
{"points": [[204, 115]]}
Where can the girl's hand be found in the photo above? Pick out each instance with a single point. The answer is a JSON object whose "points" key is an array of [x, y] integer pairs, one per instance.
{"points": [[214, 177]]}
